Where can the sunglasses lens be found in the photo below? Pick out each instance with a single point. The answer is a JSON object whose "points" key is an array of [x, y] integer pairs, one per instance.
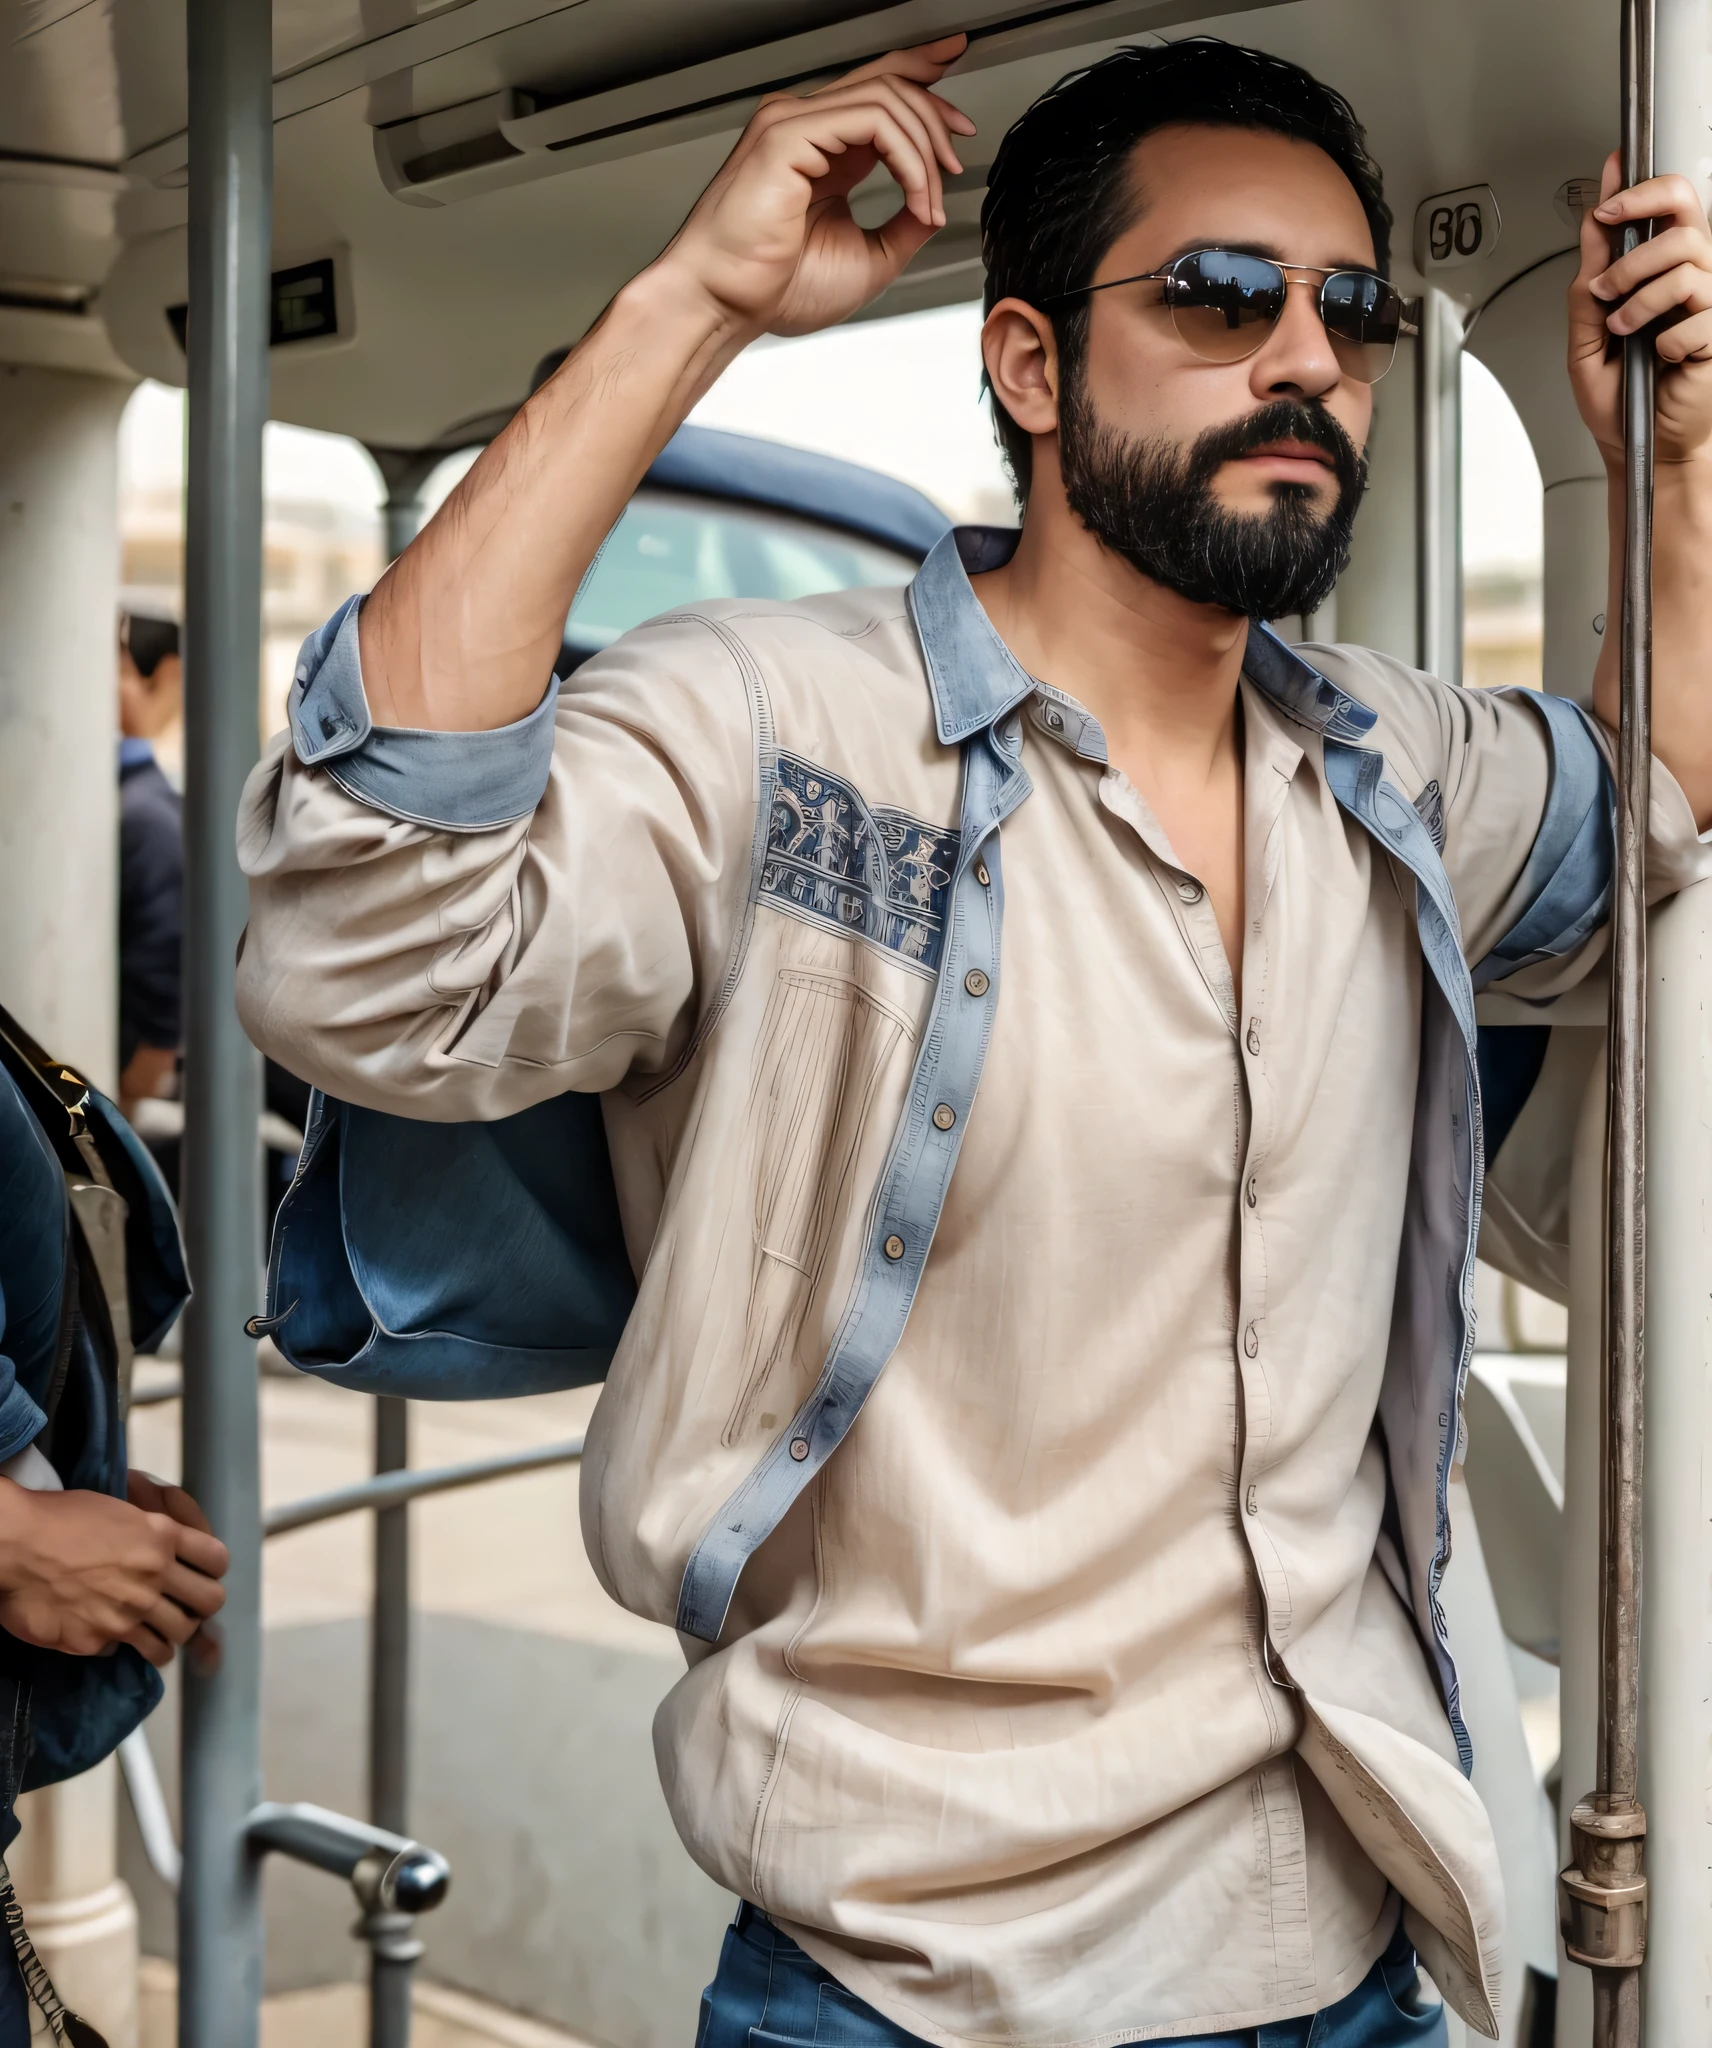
{"points": [[1224, 305], [1363, 316]]}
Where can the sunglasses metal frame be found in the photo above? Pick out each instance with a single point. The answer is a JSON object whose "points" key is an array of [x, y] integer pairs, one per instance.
{"points": [[1408, 322]]}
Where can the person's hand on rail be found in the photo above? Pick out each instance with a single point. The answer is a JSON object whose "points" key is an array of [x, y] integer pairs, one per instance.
{"points": [[80, 1571], [462, 632], [1664, 283]]}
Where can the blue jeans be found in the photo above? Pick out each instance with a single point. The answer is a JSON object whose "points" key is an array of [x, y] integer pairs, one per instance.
{"points": [[769, 1994]]}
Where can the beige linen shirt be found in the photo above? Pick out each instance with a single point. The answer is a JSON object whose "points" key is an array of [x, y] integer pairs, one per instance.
{"points": [[1070, 1703]]}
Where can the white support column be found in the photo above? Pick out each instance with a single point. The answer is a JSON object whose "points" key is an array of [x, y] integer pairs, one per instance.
{"points": [[1375, 600], [1676, 1640], [1577, 554], [1438, 487], [59, 796], [1578, 1649], [80, 1912], [1676, 1645], [59, 815]]}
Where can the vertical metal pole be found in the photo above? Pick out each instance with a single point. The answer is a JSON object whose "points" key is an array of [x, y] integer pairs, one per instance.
{"points": [[1438, 488], [393, 1944], [1605, 1890], [229, 48]]}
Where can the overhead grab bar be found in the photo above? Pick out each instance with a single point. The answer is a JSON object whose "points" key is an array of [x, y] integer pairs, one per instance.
{"points": [[1603, 1892]]}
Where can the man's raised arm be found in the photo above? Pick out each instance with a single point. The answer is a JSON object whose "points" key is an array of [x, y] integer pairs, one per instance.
{"points": [[461, 633]]}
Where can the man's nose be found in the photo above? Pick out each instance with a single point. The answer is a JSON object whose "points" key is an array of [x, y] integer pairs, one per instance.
{"points": [[1298, 360]]}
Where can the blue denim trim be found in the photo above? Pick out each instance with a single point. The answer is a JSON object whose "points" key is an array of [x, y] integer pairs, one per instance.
{"points": [[1300, 691], [906, 1203], [879, 873], [1568, 875], [453, 781], [1357, 780], [21, 1421], [974, 677]]}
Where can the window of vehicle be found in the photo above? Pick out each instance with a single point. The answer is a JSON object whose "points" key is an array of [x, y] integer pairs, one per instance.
{"points": [[671, 549]]}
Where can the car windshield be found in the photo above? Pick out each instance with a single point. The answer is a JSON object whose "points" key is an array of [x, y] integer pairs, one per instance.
{"points": [[671, 549]]}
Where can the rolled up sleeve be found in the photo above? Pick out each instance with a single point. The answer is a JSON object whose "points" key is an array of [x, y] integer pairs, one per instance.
{"points": [[1516, 789], [453, 781], [459, 925]]}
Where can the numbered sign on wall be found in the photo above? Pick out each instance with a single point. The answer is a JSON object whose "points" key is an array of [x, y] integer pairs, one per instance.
{"points": [[1455, 227]]}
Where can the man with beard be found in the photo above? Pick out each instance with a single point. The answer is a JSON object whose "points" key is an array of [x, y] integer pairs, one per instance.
{"points": [[1055, 1543]]}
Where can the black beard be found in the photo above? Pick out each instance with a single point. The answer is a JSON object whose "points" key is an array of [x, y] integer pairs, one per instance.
{"points": [[1153, 504]]}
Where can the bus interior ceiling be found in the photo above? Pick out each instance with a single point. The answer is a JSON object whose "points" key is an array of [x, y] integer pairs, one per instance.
{"points": [[459, 188], [481, 177]]}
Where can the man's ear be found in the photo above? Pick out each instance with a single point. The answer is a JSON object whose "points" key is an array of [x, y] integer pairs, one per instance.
{"points": [[1020, 350]]}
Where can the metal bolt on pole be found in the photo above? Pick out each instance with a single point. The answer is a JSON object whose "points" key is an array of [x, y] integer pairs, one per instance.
{"points": [[1603, 1892], [229, 52]]}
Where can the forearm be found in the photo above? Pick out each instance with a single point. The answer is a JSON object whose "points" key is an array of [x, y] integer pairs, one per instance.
{"points": [[461, 633], [1682, 625]]}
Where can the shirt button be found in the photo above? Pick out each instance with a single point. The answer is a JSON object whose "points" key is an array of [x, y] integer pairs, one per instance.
{"points": [[894, 1247], [1254, 1036], [976, 982], [1251, 1193], [944, 1117], [1252, 1503], [1191, 892], [1250, 1339], [1055, 721], [982, 876], [799, 1449]]}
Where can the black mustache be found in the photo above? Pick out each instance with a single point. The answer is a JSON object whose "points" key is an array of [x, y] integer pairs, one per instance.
{"points": [[1281, 421]]}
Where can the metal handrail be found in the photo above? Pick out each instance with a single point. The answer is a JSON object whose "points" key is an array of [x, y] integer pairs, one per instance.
{"points": [[395, 1489], [162, 1391], [1603, 1892], [394, 1877]]}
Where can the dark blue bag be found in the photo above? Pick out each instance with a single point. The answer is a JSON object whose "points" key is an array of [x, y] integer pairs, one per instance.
{"points": [[117, 1271], [450, 1262]]}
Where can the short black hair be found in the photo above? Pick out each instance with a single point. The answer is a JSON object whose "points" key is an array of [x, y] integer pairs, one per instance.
{"points": [[147, 641], [1059, 192]]}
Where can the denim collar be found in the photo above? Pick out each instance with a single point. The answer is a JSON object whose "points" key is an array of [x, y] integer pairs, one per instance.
{"points": [[975, 679]]}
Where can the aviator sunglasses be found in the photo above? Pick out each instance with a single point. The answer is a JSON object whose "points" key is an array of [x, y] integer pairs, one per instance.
{"points": [[1225, 306]]}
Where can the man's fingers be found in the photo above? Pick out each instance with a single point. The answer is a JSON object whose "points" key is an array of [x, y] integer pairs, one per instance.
{"points": [[875, 126], [940, 118], [194, 1590], [1670, 197], [155, 1648], [930, 139], [183, 1507], [1652, 259], [1687, 285], [169, 1621], [1689, 340], [201, 1551], [926, 63]]}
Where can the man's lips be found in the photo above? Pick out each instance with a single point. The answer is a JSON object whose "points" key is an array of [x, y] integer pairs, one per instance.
{"points": [[1290, 456]]}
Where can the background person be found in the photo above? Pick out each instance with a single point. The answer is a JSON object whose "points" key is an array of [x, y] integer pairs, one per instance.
{"points": [[151, 860]]}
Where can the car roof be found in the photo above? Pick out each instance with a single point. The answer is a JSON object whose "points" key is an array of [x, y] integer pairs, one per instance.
{"points": [[710, 463]]}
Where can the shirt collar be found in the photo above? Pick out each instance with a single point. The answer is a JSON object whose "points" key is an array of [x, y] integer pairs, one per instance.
{"points": [[975, 679], [134, 753]]}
